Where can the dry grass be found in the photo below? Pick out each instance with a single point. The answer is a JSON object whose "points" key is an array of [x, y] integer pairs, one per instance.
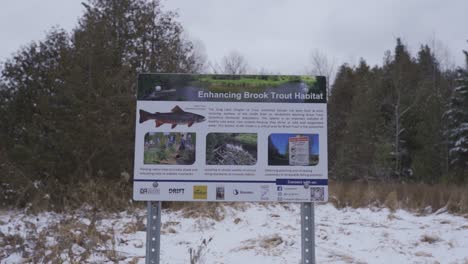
{"points": [[431, 239], [11, 244], [213, 210], [69, 240], [197, 254], [423, 198], [19, 190], [263, 242], [416, 197], [135, 226]]}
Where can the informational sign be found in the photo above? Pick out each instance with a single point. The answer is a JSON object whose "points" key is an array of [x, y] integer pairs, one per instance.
{"points": [[231, 138]]}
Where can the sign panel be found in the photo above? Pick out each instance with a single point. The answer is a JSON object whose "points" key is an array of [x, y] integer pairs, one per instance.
{"points": [[231, 138]]}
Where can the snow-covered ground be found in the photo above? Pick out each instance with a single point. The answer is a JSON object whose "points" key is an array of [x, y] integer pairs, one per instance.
{"points": [[243, 233]]}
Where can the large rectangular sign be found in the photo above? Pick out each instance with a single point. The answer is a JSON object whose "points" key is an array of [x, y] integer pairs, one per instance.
{"points": [[231, 138]]}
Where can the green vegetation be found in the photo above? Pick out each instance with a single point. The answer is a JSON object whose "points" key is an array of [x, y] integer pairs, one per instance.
{"points": [[246, 139], [67, 111], [221, 83], [395, 122], [67, 105], [169, 148], [155, 156], [313, 160]]}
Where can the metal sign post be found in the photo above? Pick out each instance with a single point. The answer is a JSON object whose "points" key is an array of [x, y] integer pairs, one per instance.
{"points": [[307, 233], [153, 233]]}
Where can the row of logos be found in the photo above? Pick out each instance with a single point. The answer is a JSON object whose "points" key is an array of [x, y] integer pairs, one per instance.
{"points": [[200, 192], [260, 193]]}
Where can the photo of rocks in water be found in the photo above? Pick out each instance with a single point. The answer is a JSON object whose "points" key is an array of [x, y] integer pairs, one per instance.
{"points": [[293, 149], [169, 148], [231, 149]]}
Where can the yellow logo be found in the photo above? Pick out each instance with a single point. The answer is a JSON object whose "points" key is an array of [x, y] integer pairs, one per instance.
{"points": [[200, 192]]}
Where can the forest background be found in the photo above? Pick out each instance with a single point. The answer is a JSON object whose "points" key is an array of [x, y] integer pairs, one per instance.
{"points": [[397, 131]]}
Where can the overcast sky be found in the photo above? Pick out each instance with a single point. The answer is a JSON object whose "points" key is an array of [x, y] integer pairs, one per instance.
{"points": [[277, 35]]}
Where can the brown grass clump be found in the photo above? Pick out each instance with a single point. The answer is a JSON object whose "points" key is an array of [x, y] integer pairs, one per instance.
{"points": [[271, 242], [431, 239], [135, 226], [213, 210], [264, 242], [11, 244]]}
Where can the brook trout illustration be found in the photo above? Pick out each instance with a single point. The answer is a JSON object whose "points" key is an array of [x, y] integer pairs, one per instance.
{"points": [[177, 116]]}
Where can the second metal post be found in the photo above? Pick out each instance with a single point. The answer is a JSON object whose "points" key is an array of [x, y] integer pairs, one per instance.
{"points": [[307, 233], [153, 233]]}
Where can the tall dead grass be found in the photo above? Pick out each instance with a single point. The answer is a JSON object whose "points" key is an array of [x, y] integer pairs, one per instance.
{"points": [[419, 197], [416, 197]]}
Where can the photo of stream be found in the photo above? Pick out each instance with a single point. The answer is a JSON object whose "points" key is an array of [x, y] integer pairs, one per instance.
{"points": [[231, 149], [169, 148]]}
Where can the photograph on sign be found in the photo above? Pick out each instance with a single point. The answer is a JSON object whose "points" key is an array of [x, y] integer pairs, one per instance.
{"points": [[231, 149], [169, 148], [293, 149], [231, 138]]}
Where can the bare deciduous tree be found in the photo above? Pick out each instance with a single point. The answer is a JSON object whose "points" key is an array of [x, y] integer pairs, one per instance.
{"points": [[233, 63], [200, 61], [442, 53], [321, 65]]}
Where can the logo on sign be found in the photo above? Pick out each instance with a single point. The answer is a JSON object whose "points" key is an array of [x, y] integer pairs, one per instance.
{"points": [[176, 191], [238, 192], [219, 192], [264, 191], [149, 191], [200, 192]]}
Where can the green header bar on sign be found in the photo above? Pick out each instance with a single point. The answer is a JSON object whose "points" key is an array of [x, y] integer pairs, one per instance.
{"points": [[232, 88]]}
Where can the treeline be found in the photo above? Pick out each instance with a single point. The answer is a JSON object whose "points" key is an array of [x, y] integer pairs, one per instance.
{"points": [[67, 110], [67, 104], [406, 120]]}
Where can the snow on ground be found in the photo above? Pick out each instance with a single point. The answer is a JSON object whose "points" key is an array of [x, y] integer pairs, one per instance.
{"points": [[248, 233]]}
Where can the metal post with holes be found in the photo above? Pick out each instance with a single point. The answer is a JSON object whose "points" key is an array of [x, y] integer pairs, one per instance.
{"points": [[307, 233], [153, 233]]}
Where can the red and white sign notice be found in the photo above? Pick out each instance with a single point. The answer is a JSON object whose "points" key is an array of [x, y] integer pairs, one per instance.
{"points": [[299, 151]]}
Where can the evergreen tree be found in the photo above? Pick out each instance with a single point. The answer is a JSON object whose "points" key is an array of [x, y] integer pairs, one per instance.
{"points": [[360, 154], [388, 122], [428, 144], [399, 87], [70, 99], [458, 125], [339, 104]]}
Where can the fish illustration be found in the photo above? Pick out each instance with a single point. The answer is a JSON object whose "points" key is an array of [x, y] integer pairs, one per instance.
{"points": [[177, 116]]}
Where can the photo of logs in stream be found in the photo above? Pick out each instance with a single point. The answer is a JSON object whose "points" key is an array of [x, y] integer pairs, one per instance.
{"points": [[231, 149]]}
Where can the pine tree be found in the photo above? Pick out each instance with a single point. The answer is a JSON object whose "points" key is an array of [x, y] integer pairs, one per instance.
{"points": [[339, 104], [458, 125], [363, 148], [70, 99], [399, 87], [428, 145]]}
